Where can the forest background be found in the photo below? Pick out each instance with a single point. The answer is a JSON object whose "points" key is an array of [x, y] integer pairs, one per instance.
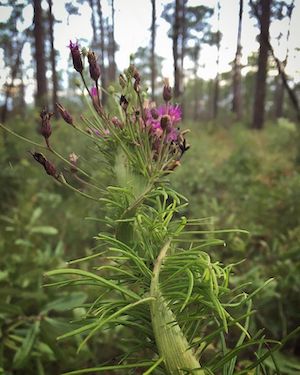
{"points": [[234, 67]]}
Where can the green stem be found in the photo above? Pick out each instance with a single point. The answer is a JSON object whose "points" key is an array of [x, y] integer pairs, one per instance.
{"points": [[172, 345]]}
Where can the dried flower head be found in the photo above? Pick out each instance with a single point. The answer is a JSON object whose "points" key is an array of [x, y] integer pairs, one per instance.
{"points": [[167, 91], [46, 129], [48, 166], [65, 114], [76, 57], [123, 102], [94, 67]]}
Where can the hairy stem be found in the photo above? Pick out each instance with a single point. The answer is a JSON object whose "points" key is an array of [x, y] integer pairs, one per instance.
{"points": [[172, 345]]}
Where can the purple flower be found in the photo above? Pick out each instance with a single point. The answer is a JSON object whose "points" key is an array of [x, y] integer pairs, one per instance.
{"points": [[76, 57], [164, 118]]}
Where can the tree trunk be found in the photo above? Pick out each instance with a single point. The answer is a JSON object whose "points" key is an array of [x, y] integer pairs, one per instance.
{"points": [[102, 49], [261, 76], [237, 77], [93, 21], [112, 44], [196, 95], [217, 79], [41, 94], [183, 43], [14, 71], [176, 31], [153, 35], [53, 61], [279, 95]]}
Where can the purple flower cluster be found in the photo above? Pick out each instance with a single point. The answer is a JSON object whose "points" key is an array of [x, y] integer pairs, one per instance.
{"points": [[164, 119]]}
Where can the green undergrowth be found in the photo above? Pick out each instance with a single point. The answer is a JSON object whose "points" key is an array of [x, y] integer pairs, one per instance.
{"points": [[251, 180]]}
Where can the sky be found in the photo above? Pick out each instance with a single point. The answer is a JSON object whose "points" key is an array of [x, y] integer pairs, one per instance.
{"points": [[132, 30]]}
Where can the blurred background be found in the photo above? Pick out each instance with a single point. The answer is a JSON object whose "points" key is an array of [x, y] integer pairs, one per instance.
{"points": [[234, 66]]}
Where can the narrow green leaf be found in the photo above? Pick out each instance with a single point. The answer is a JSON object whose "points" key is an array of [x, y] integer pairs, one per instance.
{"points": [[92, 276], [23, 353], [102, 322], [44, 230], [106, 368]]}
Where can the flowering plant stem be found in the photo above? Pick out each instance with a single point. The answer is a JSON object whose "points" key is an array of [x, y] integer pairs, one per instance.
{"points": [[172, 344]]}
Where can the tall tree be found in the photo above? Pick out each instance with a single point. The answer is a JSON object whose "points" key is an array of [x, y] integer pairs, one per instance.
{"points": [[153, 36], [189, 25], [178, 38], [40, 58], [102, 48], [93, 22], [217, 78], [12, 41], [53, 60], [263, 8], [237, 76], [112, 45]]}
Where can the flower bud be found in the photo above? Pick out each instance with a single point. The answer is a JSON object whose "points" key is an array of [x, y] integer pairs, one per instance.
{"points": [[94, 66], [65, 114], [48, 166], [45, 125], [167, 91], [165, 123], [76, 57], [154, 113], [123, 102]]}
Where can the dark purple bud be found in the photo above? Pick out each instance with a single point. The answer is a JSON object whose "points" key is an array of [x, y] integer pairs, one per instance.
{"points": [[45, 125], [65, 114], [94, 66], [154, 113], [48, 166], [76, 57], [123, 102], [165, 123], [136, 86], [167, 91]]}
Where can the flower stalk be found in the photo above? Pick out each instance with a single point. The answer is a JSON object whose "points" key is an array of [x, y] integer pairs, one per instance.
{"points": [[173, 347]]}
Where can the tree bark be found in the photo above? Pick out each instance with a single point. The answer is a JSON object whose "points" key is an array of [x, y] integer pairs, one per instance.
{"points": [[176, 31], [260, 90], [292, 95], [153, 35], [112, 45], [93, 21], [39, 38], [183, 38], [102, 49], [279, 94], [14, 71], [53, 61], [237, 77]]}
